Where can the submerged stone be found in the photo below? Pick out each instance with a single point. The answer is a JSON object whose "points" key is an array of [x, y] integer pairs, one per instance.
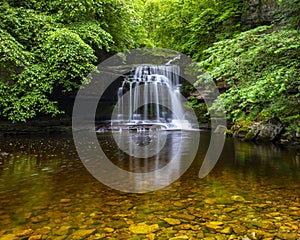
{"points": [[228, 210], [8, 237], [179, 237], [143, 228], [238, 198], [210, 201], [82, 234], [43, 231], [108, 230], [213, 226], [63, 230], [172, 221], [35, 237], [25, 233], [227, 230], [184, 216], [216, 223], [65, 200]]}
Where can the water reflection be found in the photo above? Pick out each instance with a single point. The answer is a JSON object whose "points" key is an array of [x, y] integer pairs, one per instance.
{"points": [[266, 159], [45, 187], [151, 160], [141, 139]]}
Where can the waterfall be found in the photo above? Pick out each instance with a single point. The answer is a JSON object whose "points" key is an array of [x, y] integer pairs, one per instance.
{"points": [[151, 95]]}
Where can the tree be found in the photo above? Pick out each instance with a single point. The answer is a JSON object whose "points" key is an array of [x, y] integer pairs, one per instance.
{"points": [[54, 45], [262, 72], [191, 26]]}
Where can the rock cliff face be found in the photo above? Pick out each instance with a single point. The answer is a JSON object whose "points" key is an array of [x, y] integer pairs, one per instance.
{"points": [[259, 12]]}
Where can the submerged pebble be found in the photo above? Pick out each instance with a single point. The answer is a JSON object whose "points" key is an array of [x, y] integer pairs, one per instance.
{"points": [[233, 202]]}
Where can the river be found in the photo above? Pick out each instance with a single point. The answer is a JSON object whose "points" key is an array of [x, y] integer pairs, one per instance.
{"points": [[46, 192]]}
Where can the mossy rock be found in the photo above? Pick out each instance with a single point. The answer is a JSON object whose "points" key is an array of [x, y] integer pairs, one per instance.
{"points": [[250, 136]]}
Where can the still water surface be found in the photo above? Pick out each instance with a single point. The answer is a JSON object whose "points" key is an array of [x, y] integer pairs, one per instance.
{"points": [[46, 193]]}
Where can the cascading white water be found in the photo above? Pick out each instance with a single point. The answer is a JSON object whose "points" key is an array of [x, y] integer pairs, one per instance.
{"points": [[151, 95]]}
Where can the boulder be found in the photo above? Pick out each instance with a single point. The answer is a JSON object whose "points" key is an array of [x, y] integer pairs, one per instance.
{"points": [[258, 131]]}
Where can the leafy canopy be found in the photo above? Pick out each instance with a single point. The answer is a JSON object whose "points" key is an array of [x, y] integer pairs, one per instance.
{"points": [[53, 45], [191, 26], [261, 70]]}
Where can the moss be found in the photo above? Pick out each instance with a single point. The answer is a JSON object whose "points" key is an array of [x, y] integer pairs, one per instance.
{"points": [[249, 136], [229, 132], [241, 128]]}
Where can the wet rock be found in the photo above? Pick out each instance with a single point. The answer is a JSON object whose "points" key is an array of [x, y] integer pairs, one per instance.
{"points": [[119, 224], [209, 238], [200, 235], [285, 229], [178, 204], [25, 233], [83, 234], [221, 237], [127, 207], [172, 221], [43, 231], [267, 225], [228, 210], [238, 198], [225, 218], [143, 228], [63, 230], [185, 227], [100, 236], [244, 238], [38, 219], [287, 236], [239, 230], [35, 237], [227, 230], [213, 226], [59, 238], [5, 219], [151, 236], [195, 227], [27, 215], [224, 200], [255, 234], [264, 131], [270, 131], [179, 237], [215, 223], [183, 216], [108, 230], [8, 237], [210, 201], [65, 200], [257, 224]]}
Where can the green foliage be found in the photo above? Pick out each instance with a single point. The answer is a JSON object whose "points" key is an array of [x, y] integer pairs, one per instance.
{"points": [[68, 59], [13, 56], [191, 26], [49, 46], [289, 14], [92, 34], [262, 70]]}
